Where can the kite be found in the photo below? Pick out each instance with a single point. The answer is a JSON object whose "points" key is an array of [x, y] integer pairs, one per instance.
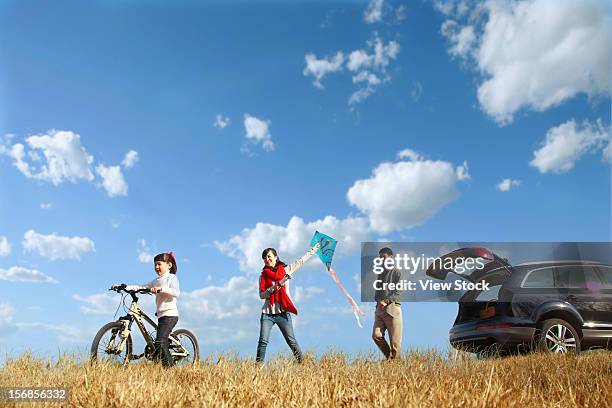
{"points": [[326, 253]]}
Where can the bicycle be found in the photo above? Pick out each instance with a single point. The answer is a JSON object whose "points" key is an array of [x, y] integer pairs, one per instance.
{"points": [[113, 342]]}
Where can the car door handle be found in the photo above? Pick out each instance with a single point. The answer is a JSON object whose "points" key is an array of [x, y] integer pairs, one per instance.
{"points": [[571, 297]]}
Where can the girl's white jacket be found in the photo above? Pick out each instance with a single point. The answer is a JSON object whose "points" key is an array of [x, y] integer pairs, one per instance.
{"points": [[166, 299]]}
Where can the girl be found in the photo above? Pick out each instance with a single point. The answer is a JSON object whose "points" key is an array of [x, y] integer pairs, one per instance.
{"points": [[274, 288], [166, 289]]}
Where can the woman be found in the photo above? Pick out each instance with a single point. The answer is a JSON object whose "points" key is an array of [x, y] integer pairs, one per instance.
{"points": [[274, 288]]}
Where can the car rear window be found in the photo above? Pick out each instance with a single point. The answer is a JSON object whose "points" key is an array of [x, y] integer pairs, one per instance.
{"points": [[539, 278], [571, 276], [487, 295], [606, 276], [577, 277]]}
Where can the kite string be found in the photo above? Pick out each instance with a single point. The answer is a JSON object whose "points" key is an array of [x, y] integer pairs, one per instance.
{"points": [[356, 309]]}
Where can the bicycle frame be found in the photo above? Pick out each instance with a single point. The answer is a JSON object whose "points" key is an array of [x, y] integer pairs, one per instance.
{"points": [[136, 314]]}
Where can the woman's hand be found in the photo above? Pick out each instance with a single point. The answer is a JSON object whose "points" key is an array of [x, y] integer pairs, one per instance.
{"points": [[275, 286], [156, 290]]}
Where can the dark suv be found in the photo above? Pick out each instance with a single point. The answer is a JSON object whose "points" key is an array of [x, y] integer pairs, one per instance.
{"points": [[556, 306]]}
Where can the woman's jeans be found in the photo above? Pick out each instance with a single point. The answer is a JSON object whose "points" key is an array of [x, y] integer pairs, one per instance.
{"points": [[286, 327], [165, 325]]}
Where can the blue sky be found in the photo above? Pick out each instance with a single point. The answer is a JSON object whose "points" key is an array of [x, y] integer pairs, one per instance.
{"points": [[251, 124]]}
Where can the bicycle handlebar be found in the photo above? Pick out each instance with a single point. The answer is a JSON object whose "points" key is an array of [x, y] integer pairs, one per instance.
{"points": [[122, 288]]}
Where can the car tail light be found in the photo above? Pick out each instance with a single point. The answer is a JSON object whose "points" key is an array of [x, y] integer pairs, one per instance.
{"points": [[483, 253]]}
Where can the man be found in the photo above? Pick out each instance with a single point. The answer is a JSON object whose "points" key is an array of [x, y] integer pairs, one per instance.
{"points": [[388, 314]]}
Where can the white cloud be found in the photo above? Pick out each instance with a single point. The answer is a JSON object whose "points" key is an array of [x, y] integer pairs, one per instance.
{"points": [[65, 159], [5, 246], [444, 7], [112, 180], [145, 257], [106, 303], [327, 20], [293, 240], [6, 319], [457, 8], [369, 67], [409, 154], [382, 54], [209, 310], [321, 67], [57, 247], [301, 294], [417, 91], [462, 39], [130, 159], [6, 313], [101, 303], [400, 13], [359, 59], [357, 277], [335, 310], [65, 334], [534, 54], [541, 53], [221, 122], [406, 193], [58, 156], [367, 77], [360, 95], [567, 143], [20, 274], [507, 184], [46, 206], [258, 132], [398, 195], [374, 12], [4, 145], [463, 172], [17, 152], [607, 153], [144, 252]]}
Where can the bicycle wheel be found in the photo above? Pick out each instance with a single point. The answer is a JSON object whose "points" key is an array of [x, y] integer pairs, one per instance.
{"points": [[186, 351], [108, 345]]}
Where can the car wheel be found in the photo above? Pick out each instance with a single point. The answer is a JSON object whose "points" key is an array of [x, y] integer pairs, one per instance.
{"points": [[558, 336]]}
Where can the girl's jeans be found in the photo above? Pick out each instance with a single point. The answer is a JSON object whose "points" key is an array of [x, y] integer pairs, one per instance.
{"points": [[283, 320], [165, 325]]}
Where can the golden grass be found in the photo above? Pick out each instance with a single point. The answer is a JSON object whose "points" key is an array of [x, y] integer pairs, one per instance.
{"points": [[420, 380]]}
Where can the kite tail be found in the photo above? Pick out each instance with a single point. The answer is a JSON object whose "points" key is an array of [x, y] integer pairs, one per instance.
{"points": [[356, 309]]}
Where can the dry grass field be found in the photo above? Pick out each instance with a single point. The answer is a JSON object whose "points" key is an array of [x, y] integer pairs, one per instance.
{"points": [[420, 380]]}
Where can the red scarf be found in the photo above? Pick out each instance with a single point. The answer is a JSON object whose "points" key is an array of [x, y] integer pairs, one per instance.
{"points": [[268, 277]]}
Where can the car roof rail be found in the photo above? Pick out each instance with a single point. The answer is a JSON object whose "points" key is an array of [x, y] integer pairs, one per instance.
{"points": [[561, 262]]}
